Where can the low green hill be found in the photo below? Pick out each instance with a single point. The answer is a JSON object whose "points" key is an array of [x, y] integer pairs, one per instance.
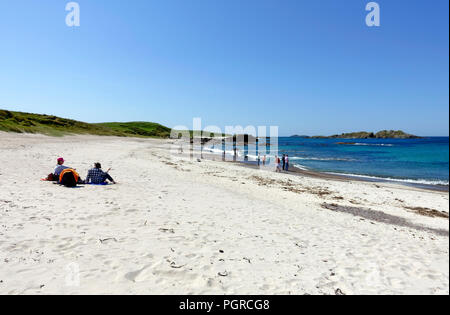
{"points": [[56, 126], [138, 128]]}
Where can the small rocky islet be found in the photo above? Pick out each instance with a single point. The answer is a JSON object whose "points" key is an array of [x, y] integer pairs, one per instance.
{"points": [[384, 134]]}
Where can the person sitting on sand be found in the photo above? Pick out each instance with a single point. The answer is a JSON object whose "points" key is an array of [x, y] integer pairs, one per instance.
{"points": [[60, 167], [97, 176]]}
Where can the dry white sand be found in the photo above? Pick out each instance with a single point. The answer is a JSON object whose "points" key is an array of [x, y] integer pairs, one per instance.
{"points": [[185, 227]]}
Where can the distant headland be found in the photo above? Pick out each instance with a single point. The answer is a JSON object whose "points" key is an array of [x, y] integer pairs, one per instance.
{"points": [[384, 134]]}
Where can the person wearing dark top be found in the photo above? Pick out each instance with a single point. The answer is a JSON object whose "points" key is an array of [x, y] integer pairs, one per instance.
{"points": [[97, 176], [286, 160]]}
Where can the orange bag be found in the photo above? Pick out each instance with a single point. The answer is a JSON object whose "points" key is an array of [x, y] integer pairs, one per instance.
{"points": [[69, 170]]}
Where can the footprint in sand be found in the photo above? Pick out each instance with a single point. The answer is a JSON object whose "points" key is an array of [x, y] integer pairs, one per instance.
{"points": [[139, 275]]}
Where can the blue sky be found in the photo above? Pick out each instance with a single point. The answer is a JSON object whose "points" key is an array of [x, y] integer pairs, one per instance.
{"points": [[310, 67]]}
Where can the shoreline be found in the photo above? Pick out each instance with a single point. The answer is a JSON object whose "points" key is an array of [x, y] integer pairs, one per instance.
{"points": [[427, 175], [297, 171]]}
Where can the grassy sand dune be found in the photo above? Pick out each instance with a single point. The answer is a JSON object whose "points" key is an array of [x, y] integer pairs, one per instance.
{"points": [[139, 128], [56, 126]]}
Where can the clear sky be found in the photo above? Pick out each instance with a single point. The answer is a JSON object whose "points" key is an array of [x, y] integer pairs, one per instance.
{"points": [[310, 67]]}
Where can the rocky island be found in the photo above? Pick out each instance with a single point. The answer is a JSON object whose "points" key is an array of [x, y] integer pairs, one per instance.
{"points": [[384, 134]]}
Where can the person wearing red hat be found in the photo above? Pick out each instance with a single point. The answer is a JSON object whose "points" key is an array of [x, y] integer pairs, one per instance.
{"points": [[60, 167]]}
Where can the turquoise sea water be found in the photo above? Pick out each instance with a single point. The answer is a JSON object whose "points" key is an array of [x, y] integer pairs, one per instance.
{"points": [[423, 161], [420, 161]]}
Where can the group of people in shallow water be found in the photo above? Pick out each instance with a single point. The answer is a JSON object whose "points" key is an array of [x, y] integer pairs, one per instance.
{"points": [[69, 177], [281, 164]]}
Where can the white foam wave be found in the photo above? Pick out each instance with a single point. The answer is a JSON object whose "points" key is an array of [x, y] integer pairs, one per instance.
{"points": [[219, 151], [375, 144], [320, 159], [410, 181]]}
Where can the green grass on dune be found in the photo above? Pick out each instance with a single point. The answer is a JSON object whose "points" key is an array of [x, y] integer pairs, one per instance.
{"points": [[56, 126], [45, 124], [138, 129]]}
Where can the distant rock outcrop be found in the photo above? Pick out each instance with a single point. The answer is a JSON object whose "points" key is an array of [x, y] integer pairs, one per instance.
{"points": [[384, 134]]}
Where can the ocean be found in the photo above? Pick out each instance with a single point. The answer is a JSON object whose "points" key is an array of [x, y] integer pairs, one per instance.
{"points": [[420, 161]]}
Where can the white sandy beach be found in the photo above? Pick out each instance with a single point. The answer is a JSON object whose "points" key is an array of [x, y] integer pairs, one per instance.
{"points": [[179, 226]]}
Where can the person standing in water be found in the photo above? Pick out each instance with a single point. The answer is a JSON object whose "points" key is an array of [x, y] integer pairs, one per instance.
{"points": [[278, 164], [286, 160]]}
